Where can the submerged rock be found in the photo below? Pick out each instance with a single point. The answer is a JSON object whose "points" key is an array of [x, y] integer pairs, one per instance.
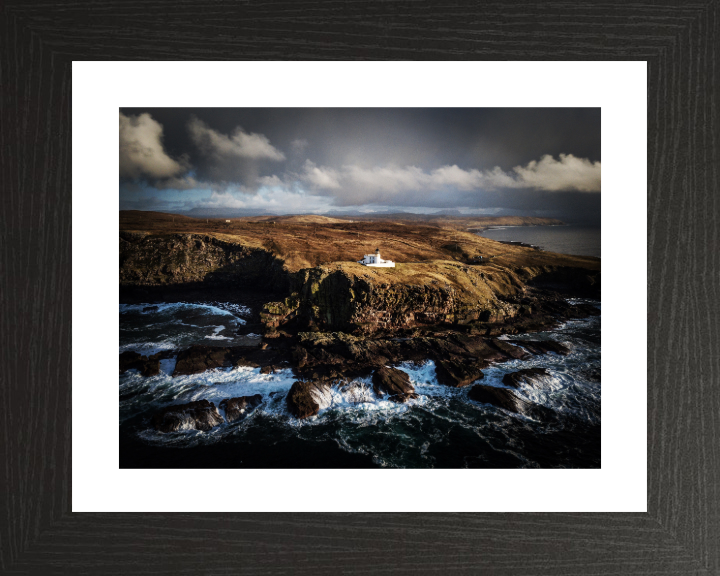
{"points": [[236, 408], [527, 376], [500, 397], [515, 352], [199, 415], [200, 358], [392, 382], [402, 398], [457, 373], [544, 346], [146, 366], [306, 399]]}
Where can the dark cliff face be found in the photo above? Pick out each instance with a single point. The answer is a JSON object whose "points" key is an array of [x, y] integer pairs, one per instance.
{"points": [[569, 281], [336, 300], [193, 259]]}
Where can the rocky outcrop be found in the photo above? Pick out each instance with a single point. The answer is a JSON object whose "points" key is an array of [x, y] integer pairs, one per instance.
{"points": [[513, 351], [543, 347], [500, 397], [146, 366], [199, 358], [332, 356], [459, 358], [457, 373], [192, 259], [393, 383], [199, 415], [306, 399], [343, 300], [340, 300], [526, 376], [237, 408]]}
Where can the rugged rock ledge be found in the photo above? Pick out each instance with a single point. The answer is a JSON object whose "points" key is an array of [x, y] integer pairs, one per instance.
{"points": [[306, 399], [200, 415], [351, 300], [200, 358], [193, 259], [146, 365], [393, 383], [527, 376], [237, 408], [500, 397], [323, 360]]}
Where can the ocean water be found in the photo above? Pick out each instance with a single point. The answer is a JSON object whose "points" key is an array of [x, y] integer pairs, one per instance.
{"points": [[443, 428], [571, 239]]}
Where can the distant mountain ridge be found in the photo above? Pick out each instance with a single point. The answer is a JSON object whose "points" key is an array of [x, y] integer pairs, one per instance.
{"points": [[464, 222]]}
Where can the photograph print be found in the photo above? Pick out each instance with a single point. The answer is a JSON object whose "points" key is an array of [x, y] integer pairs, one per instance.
{"points": [[359, 288]]}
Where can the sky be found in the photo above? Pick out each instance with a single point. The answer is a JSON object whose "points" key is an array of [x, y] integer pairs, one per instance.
{"points": [[230, 162]]}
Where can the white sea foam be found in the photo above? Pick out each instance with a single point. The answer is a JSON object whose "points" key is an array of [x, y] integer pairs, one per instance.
{"points": [[149, 348], [220, 308], [216, 385], [216, 334], [237, 309]]}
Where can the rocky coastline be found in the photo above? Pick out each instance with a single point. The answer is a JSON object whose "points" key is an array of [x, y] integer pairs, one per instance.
{"points": [[333, 323]]}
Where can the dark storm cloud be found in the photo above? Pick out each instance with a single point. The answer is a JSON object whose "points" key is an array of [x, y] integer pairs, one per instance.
{"points": [[538, 160]]}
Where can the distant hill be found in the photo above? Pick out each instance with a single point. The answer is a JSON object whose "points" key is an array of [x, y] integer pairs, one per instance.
{"points": [[140, 219], [300, 219], [147, 215], [463, 222]]}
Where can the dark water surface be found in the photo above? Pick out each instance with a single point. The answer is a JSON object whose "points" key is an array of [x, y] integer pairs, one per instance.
{"points": [[441, 429], [571, 239]]}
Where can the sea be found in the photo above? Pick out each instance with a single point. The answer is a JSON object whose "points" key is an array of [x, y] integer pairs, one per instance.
{"points": [[442, 428], [575, 239]]}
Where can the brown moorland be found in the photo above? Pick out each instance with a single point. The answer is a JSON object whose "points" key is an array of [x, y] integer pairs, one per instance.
{"points": [[306, 241]]}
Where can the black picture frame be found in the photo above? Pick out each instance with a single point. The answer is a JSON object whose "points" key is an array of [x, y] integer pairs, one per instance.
{"points": [[681, 530]]}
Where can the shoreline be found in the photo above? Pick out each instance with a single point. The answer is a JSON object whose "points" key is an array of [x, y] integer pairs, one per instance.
{"points": [[266, 438], [323, 360]]}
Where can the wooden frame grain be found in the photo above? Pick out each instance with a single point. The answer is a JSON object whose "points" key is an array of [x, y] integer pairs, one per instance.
{"points": [[680, 532]]}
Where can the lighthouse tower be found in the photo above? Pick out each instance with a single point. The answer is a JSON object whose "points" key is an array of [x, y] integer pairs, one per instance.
{"points": [[376, 261]]}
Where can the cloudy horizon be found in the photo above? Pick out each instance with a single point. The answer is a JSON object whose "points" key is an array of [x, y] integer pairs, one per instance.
{"points": [[210, 162]]}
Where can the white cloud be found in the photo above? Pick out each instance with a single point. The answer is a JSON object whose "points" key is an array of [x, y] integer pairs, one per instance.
{"points": [[382, 183], [278, 200], [322, 178], [239, 144], [141, 149], [569, 173], [270, 181]]}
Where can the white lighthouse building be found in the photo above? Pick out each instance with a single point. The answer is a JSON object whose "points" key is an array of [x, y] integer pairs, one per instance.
{"points": [[375, 261]]}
